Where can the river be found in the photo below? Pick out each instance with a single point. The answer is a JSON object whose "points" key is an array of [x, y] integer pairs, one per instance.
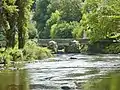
{"points": [[65, 72]]}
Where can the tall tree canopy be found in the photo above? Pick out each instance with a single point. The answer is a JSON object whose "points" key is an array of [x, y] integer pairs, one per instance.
{"points": [[14, 17], [41, 17], [96, 18], [101, 18], [50, 12]]}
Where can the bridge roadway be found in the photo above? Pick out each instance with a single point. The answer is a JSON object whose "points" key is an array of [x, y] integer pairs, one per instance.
{"points": [[44, 42]]}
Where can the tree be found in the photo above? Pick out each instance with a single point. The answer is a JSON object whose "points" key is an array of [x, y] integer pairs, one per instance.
{"points": [[8, 17], [62, 30], [23, 19], [14, 17], [100, 19], [41, 16], [70, 10], [54, 19], [50, 12]]}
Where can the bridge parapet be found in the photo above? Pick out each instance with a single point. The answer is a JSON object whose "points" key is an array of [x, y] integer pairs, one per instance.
{"points": [[65, 44], [83, 41], [44, 42]]}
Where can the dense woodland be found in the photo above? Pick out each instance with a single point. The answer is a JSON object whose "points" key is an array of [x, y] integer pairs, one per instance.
{"points": [[70, 18], [97, 19], [21, 20]]}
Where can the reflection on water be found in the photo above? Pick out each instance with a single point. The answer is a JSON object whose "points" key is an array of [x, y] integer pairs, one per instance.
{"points": [[111, 81], [65, 72], [13, 80]]}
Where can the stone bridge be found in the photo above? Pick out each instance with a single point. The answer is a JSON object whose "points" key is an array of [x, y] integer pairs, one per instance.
{"points": [[64, 42], [44, 42], [67, 46]]}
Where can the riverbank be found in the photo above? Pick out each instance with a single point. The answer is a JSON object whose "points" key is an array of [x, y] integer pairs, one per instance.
{"points": [[30, 52], [101, 48]]}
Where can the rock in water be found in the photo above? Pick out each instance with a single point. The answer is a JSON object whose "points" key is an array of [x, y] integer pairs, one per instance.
{"points": [[65, 87], [73, 58], [53, 46]]}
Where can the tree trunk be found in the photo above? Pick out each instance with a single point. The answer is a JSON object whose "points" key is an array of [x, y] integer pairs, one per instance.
{"points": [[10, 34], [21, 39]]}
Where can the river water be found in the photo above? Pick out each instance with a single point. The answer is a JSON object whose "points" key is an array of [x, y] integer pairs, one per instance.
{"points": [[65, 72]]}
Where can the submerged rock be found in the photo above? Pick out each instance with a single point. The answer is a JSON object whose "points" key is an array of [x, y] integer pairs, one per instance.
{"points": [[65, 88], [73, 58]]}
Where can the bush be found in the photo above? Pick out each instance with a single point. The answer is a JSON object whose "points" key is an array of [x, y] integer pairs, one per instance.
{"points": [[33, 51], [113, 48], [11, 54], [84, 48]]}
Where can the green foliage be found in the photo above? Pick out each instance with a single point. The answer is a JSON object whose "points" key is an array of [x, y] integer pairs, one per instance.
{"points": [[2, 37], [83, 48], [15, 24], [32, 31], [70, 10], [55, 18], [11, 55], [41, 16], [32, 51], [100, 19], [51, 12], [77, 32], [6, 57], [23, 20], [17, 54], [62, 30], [14, 16], [112, 48]]}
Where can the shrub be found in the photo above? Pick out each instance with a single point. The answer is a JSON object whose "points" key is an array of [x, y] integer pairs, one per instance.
{"points": [[33, 51], [11, 55], [113, 48]]}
